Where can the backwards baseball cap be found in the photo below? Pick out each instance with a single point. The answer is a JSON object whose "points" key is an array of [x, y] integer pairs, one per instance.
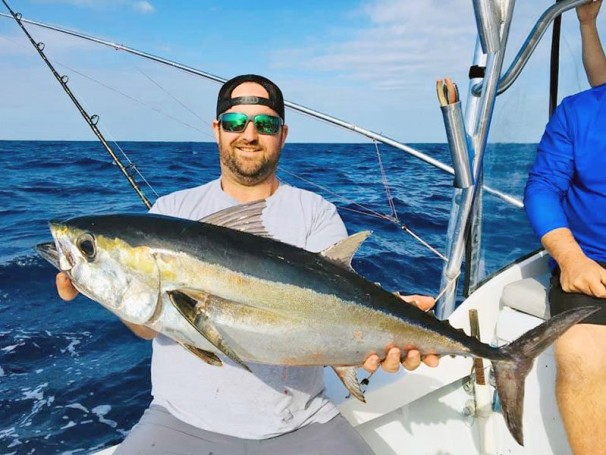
{"points": [[275, 100]]}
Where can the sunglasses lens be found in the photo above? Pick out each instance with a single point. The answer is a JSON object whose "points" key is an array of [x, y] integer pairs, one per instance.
{"points": [[234, 122], [267, 124]]}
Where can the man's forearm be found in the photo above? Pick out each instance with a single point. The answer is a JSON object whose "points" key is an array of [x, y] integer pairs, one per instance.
{"points": [[594, 59], [562, 246]]}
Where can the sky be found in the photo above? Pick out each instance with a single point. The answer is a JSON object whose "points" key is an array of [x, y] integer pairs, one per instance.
{"points": [[372, 63]]}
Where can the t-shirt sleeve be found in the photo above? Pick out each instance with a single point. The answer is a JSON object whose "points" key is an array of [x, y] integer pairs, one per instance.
{"points": [[550, 175], [156, 208], [326, 230], [164, 205]]}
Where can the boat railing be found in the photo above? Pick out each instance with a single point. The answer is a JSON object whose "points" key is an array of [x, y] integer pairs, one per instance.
{"points": [[527, 48]]}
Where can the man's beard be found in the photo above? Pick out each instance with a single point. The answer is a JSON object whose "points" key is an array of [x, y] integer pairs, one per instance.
{"points": [[247, 171]]}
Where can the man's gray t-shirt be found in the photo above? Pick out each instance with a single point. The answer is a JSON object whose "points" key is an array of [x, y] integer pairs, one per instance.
{"points": [[274, 399]]}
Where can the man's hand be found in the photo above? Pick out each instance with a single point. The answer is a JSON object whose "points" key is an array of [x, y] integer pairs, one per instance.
{"points": [[583, 275], [65, 288], [578, 272], [413, 359], [588, 12]]}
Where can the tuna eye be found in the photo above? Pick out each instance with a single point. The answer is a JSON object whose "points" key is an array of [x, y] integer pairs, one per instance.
{"points": [[86, 245]]}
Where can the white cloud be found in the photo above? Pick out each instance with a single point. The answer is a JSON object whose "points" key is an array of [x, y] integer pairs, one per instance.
{"points": [[144, 7], [384, 57], [394, 50], [403, 41]]}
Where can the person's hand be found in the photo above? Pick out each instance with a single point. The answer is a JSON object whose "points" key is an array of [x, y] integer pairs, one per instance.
{"points": [[413, 359], [588, 12], [65, 288], [581, 274]]}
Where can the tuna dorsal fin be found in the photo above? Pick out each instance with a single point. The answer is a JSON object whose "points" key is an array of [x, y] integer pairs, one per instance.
{"points": [[343, 252], [244, 217]]}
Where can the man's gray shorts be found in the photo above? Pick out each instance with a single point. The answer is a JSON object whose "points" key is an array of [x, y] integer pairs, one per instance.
{"points": [[158, 432]]}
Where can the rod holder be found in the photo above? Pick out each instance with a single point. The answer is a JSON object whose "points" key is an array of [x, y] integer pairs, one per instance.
{"points": [[458, 144]]}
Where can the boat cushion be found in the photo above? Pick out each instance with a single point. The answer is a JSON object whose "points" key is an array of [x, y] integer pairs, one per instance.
{"points": [[528, 295]]}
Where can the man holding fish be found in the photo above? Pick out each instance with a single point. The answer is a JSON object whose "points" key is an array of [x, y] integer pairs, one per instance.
{"points": [[267, 409]]}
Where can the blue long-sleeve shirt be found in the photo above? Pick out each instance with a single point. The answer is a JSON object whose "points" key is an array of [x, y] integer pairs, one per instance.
{"points": [[567, 183]]}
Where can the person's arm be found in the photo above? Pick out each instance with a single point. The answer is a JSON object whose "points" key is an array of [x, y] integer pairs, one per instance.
{"points": [[67, 292], [548, 184], [594, 59], [550, 176]]}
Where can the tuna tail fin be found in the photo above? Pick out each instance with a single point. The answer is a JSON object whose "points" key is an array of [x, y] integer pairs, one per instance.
{"points": [[511, 372]]}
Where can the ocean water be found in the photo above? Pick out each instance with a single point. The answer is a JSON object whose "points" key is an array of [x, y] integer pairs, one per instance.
{"points": [[73, 379]]}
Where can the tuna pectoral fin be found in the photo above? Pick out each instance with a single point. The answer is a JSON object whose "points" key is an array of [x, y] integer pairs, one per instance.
{"points": [[348, 376], [511, 372], [206, 356], [194, 308]]}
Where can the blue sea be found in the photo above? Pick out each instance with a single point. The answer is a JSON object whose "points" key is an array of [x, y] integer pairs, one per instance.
{"points": [[73, 379]]}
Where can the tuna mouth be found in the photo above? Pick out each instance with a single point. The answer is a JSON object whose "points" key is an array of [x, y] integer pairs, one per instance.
{"points": [[48, 251], [56, 252]]}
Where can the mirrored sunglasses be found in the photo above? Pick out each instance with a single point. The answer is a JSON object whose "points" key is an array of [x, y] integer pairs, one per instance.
{"points": [[236, 122]]}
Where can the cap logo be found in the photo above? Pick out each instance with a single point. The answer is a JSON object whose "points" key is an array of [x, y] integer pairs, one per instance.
{"points": [[249, 100], [226, 104]]}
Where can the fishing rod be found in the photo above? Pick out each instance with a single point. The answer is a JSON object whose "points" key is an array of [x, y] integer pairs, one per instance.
{"points": [[294, 106], [90, 120]]}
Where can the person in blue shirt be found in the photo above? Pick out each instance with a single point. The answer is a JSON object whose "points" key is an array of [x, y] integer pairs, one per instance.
{"points": [[565, 200]]}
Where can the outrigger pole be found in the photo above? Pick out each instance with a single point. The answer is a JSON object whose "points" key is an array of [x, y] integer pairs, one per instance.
{"points": [[294, 106], [91, 120]]}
